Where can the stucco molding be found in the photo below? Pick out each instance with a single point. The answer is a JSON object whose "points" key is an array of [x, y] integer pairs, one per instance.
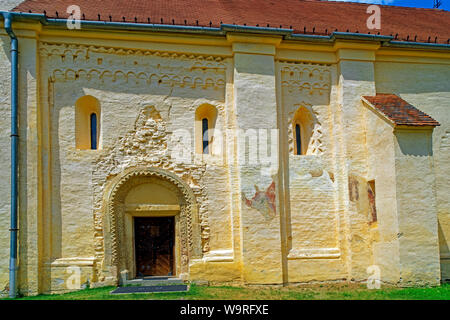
{"points": [[89, 63], [310, 78], [65, 49], [145, 78]]}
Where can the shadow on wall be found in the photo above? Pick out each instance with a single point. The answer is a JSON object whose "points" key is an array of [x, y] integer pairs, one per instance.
{"points": [[444, 252], [444, 249], [415, 142], [418, 79], [6, 44]]}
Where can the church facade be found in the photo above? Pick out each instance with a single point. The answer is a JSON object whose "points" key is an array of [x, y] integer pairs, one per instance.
{"points": [[224, 154]]}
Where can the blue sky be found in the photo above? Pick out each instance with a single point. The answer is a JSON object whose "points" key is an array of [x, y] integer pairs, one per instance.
{"points": [[407, 3]]}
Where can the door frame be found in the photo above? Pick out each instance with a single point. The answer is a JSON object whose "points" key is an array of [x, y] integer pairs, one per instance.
{"points": [[172, 235], [130, 238]]}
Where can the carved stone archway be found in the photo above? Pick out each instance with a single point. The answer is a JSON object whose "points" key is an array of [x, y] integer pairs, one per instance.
{"points": [[114, 236]]}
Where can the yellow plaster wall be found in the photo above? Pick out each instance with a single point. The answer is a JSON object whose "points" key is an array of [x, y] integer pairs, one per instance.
{"points": [[381, 168], [314, 249], [174, 86], [319, 230], [356, 78], [427, 87], [254, 90], [5, 158], [30, 241], [416, 207], [29, 211]]}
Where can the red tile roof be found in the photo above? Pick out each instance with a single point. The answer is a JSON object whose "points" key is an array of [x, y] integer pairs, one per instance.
{"points": [[400, 112], [324, 17]]}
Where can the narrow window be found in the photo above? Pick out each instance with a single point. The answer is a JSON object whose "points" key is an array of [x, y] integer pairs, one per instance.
{"points": [[205, 121], [93, 131], [304, 124], [205, 135], [298, 140]]}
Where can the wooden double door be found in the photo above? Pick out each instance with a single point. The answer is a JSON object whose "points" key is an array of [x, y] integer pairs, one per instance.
{"points": [[154, 246]]}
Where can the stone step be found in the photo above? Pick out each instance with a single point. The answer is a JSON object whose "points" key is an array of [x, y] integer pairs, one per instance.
{"points": [[150, 289], [154, 281]]}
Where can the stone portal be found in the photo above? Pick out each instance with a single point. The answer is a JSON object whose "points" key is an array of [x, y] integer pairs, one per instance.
{"points": [[152, 223]]}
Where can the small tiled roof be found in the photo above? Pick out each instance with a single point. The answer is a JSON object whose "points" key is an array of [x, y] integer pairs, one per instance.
{"points": [[400, 112], [303, 16]]}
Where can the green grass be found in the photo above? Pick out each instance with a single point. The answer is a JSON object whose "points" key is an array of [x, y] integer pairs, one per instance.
{"points": [[312, 292]]}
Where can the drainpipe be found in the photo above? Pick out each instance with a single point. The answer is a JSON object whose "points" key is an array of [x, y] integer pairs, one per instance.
{"points": [[8, 17]]}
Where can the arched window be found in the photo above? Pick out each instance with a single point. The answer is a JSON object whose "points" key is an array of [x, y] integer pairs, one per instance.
{"points": [[93, 131], [205, 120], [298, 140], [87, 123], [205, 128], [303, 124]]}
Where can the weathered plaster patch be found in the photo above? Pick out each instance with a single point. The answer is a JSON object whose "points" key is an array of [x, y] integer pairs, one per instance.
{"points": [[263, 201], [353, 186]]}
